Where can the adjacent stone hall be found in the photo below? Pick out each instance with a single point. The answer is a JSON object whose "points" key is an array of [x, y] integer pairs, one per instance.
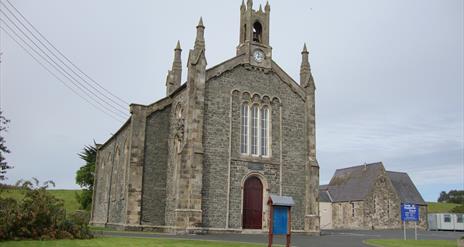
{"points": [[207, 156]]}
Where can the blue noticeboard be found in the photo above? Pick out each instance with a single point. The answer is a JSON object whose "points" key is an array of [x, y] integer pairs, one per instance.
{"points": [[409, 212], [280, 220]]}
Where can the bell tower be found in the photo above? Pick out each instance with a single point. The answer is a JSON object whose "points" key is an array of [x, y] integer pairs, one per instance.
{"points": [[254, 34]]}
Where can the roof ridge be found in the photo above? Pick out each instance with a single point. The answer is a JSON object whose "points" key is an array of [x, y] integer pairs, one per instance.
{"points": [[351, 167], [398, 172]]}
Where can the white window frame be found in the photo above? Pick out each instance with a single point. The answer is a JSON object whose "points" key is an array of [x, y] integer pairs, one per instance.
{"points": [[266, 132], [257, 130], [247, 129]]}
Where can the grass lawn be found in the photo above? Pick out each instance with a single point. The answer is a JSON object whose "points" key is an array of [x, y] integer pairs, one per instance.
{"points": [[68, 197], [410, 243], [439, 207], [123, 242]]}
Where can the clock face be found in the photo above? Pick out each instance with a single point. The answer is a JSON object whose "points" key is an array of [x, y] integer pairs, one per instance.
{"points": [[258, 55]]}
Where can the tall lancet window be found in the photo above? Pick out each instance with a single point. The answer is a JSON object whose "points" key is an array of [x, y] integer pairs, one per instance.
{"points": [[264, 131], [254, 129], [244, 129]]}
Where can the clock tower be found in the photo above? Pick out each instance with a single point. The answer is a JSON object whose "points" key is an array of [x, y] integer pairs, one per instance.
{"points": [[254, 35]]}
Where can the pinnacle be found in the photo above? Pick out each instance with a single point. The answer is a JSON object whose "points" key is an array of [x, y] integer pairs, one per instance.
{"points": [[200, 23], [304, 48], [178, 45], [260, 8], [267, 7]]}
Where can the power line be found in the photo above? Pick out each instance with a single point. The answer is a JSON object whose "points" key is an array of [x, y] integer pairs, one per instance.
{"points": [[57, 77], [67, 59], [43, 66], [81, 86]]}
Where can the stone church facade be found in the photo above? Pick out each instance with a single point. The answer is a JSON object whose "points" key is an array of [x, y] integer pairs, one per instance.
{"points": [[207, 156]]}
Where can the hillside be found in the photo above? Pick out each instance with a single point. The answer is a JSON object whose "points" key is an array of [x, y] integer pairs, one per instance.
{"points": [[68, 196], [440, 207]]}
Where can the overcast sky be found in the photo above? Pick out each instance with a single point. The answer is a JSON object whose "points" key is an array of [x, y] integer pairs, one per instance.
{"points": [[389, 77]]}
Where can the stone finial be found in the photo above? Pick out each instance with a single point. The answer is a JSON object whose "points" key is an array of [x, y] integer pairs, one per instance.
{"points": [[305, 68], [200, 23], [305, 50], [267, 7], [174, 76], [243, 7], [260, 8], [200, 39], [249, 4]]}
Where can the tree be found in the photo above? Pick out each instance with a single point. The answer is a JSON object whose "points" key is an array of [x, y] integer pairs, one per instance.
{"points": [[443, 197], [3, 149], [85, 176], [453, 196]]}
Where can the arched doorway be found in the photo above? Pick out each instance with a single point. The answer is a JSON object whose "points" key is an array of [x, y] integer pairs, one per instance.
{"points": [[252, 203]]}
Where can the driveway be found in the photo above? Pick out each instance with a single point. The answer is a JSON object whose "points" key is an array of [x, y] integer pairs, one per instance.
{"points": [[332, 238]]}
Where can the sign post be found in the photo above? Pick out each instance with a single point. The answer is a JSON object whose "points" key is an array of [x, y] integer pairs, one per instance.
{"points": [[409, 212], [280, 217]]}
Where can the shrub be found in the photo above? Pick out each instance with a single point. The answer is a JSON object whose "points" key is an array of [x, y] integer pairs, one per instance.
{"points": [[39, 215]]}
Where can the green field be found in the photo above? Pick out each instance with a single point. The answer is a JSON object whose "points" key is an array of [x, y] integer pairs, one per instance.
{"points": [[439, 207], [410, 243], [68, 196], [123, 242]]}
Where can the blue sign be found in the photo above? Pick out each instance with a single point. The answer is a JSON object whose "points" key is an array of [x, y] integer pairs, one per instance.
{"points": [[409, 212], [280, 220]]}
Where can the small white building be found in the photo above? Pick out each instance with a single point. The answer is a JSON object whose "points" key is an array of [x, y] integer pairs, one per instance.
{"points": [[446, 221]]}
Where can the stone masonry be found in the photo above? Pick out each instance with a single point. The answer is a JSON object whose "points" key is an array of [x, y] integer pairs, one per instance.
{"points": [[177, 165]]}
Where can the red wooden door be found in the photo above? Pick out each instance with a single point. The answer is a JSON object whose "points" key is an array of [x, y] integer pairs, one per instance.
{"points": [[252, 204]]}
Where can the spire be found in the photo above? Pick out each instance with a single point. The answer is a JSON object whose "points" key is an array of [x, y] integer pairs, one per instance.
{"points": [[200, 39], [305, 50], [267, 7], [174, 77], [200, 23], [305, 68], [177, 64]]}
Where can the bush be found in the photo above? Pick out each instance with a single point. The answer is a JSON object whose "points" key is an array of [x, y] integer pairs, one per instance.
{"points": [[84, 198], [39, 215]]}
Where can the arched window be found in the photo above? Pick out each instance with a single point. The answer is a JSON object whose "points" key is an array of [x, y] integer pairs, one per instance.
{"points": [[244, 129], [254, 129], [264, 130], [257, 32]]}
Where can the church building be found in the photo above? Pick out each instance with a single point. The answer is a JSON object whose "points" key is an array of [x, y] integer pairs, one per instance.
{"points": [[206, 157]]}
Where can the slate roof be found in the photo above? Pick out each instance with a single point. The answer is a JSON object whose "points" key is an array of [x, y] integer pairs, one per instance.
{"points": [[405, 188], [282, 200], [324, 195], [353, 183]]}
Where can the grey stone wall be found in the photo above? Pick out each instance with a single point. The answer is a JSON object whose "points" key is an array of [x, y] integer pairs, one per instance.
{"points": [[155, 167], [379, 210], [110, 188], [173, 163], [117, 199], [294, 153]]}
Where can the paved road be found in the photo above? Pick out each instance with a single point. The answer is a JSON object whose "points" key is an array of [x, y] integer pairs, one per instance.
{"points": [[333, 238]]}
